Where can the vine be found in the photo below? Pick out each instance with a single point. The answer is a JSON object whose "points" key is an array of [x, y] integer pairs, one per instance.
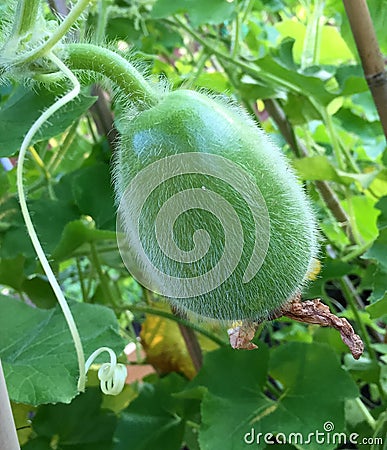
{"points": [[112, 375]]}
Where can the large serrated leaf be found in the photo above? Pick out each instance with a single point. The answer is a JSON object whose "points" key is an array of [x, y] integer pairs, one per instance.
{"points": [[81, 425], [154, 420], [236, 406], [37, 351]]}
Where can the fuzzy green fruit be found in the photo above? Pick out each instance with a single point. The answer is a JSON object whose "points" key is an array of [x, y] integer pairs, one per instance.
{"points": [[218, 149]]}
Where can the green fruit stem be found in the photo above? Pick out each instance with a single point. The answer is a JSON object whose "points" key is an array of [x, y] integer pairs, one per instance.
{"points": [[113, 66]]}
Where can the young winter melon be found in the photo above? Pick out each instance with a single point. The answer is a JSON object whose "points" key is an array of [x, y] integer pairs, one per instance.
{"points": [[214, 219]]}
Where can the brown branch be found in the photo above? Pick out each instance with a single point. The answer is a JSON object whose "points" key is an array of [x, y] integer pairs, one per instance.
{"points": [[191, 342], [371, 57], [103, 117]]}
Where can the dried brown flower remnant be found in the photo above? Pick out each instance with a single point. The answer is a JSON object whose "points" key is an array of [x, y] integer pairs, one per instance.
{"points": [[309, 311], [241, 335], [314, 311]]}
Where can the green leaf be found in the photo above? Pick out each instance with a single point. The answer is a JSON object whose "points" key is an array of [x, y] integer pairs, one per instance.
{"points": [[38, 353], [378, 297], [351, 80], [300, 84], [40, 292], [369, 132], [382, 218], [378, 250], [154, 420], [310, 374], [77, 233], [379, 18], [25, 106], [251, 88], [12, 272], [93, 194], [332, 269], [200, 11], [379, 186], [49, 218], [79, 425], [235, 406], [39, 443], [363, 368], [320, 168], [378, 309], [365, 216], [4, 183], [215, 81], [334, 50], [233, 398], [251, 367], [377, 253]]}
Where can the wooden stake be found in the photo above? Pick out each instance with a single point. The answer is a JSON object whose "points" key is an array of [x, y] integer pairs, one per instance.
{"points": [[8, 436], [370, 55]]}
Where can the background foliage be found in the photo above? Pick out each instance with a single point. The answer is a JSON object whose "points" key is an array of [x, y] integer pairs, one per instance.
{"points": [[294, 66]]}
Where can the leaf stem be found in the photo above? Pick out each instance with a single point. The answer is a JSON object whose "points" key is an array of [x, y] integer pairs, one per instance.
{"points": [[356, 252], [58, 156], [27, 218], [348, 296], [167, 315], [246, 10], [332, 135], [311, 50], [25, 17], [81, 279], [366, 414], [101, 275], [255, 71], [364, 334], [200, 64], [103, 15], [327, 119], [39, 162], [235, 37]]}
